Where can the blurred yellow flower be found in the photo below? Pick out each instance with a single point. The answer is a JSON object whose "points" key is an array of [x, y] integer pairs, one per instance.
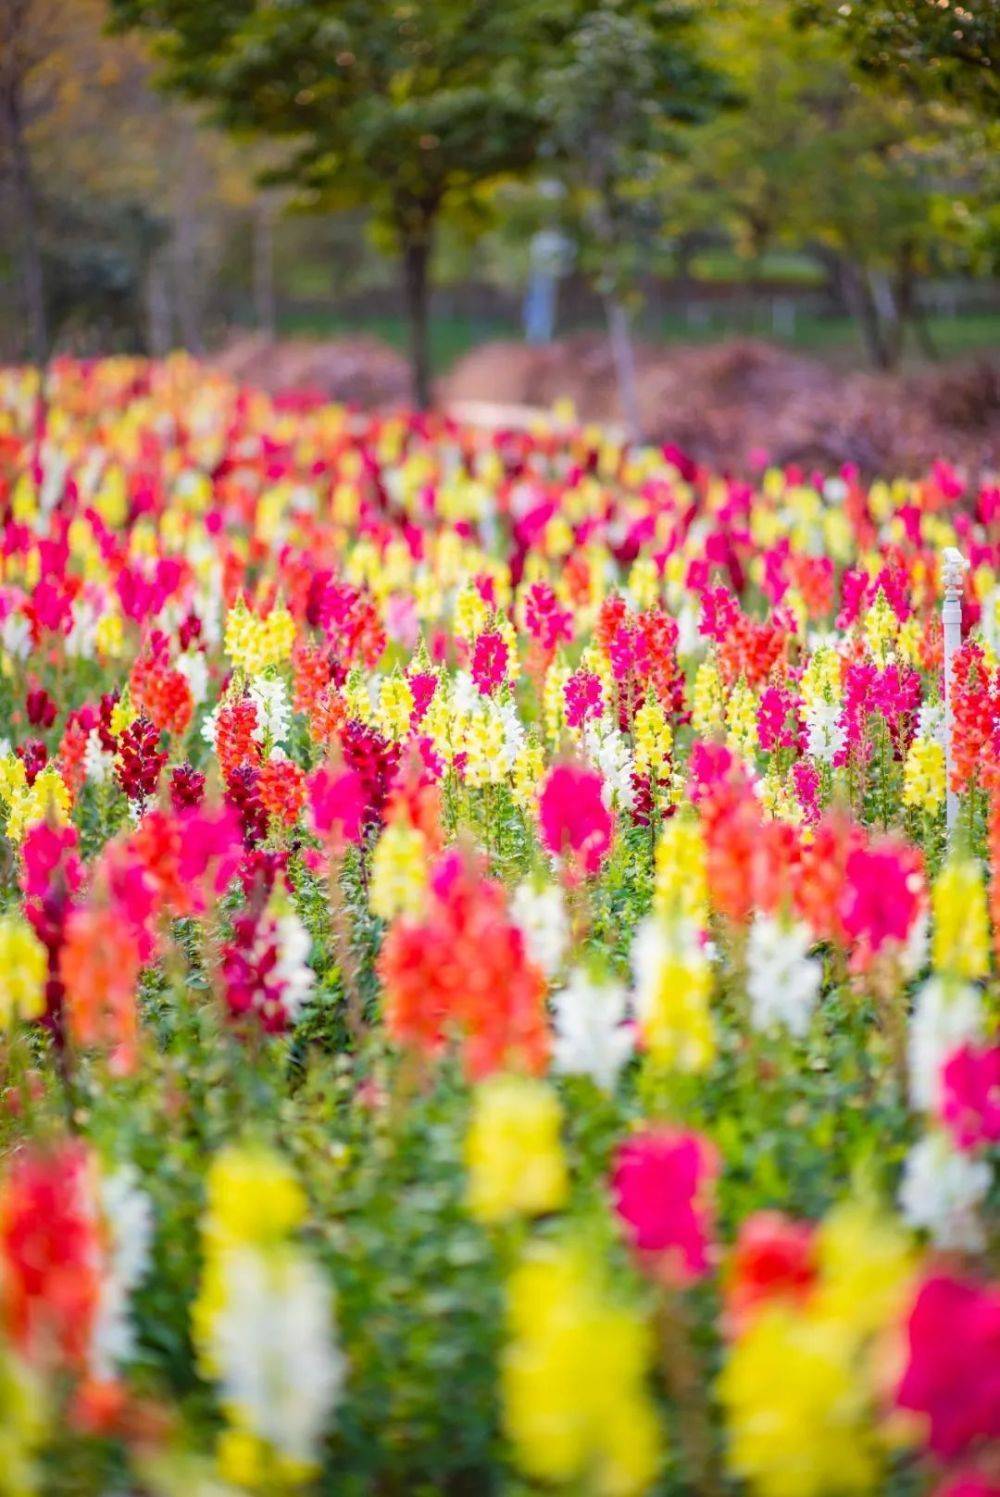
{"points": [[513, 1151]]}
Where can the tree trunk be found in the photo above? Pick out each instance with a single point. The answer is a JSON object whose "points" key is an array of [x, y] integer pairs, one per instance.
{"points": [[158, 317], [890, 317], [416, 250], [263, 269], [26, 221], [864, 308], [189, 267], [188, 281], [911, 313], [922, 331], [623, 354]]}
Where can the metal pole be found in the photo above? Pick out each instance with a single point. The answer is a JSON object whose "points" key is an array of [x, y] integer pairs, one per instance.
{"points": [[953, 569]]}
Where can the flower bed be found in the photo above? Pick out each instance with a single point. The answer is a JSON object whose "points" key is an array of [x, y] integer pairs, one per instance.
{"points": [[487, 1000]]}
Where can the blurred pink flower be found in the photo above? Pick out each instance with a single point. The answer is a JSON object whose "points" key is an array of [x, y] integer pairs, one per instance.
{"points": [[661, 1185], [338, 802], [952, 1375], [489, 661], [881, 896], [970, 1104], [575, 822]]}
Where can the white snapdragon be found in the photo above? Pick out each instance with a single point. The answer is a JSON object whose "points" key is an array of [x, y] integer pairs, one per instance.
{"points": [[945, 1016], [913, 956], [98, 764], [544, 922], [607, 751], [592, 1038], [274, 711], [783, 981], [81, 641], [465, 694], [930, 722], [15, 636], [941, 1191], [127, 1217], [513, 729], [826, 733], [194, 668], [281, 1370], [292, 969]]}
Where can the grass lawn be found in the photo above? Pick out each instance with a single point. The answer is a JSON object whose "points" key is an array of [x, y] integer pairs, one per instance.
{"points": [[837, 338]]}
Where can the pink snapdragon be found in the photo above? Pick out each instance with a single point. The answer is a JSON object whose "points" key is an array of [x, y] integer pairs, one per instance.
{"points": [[583, 698], [952, 1374], [661, 1186], [778, 722], [882, 896], [338, 802], [970, 1100], [547, 621], [489, 662], [575, 822]]}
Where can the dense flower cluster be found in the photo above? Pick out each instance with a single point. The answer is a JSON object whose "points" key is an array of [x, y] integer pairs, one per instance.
{"points": [[488, 998]]}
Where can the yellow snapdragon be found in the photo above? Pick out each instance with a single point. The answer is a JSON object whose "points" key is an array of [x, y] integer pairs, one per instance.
{"points": [[673, 996], [796, 1411], [527, 771], [395, 706], [109, 634], [880, 628], [741, 721], [253, 643], [960, 942], [708, 703], [652, 737], [23, 971], [821, 678], [484, 741], [924, 775], [26, 805], [680, 888], [565, 1424], [472, 612], [23, 1426], [513, 1151], [398, 882]]}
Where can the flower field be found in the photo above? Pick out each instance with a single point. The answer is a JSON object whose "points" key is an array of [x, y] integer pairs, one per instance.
{"points": [[488, 999]]}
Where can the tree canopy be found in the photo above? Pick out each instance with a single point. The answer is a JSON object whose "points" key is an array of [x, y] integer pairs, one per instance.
{"points": [[408, 110], [413, 110], [951, 47]]}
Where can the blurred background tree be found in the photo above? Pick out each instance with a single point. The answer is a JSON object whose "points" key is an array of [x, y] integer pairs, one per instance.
{"points": [[117, 198], [846, 201], [411, 112], [613, 102], [948, 47], [859, 179]]}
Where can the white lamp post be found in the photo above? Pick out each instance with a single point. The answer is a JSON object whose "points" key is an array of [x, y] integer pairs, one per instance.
{"points": [[953, 569]]}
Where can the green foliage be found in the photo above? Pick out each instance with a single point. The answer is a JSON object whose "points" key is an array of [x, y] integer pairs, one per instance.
{"points": [[613, 103], [96, 257], [408, 111], [951, 49], [881, 187]]}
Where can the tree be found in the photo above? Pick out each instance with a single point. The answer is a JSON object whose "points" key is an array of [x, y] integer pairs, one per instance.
{"points": [[947, 47], [413, 110], [26, 31], [612, 103], [114, 199], [822, 160]]}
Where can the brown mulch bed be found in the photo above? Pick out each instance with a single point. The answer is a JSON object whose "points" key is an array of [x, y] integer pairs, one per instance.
{"points": [[725, 402], [359, 371]]}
